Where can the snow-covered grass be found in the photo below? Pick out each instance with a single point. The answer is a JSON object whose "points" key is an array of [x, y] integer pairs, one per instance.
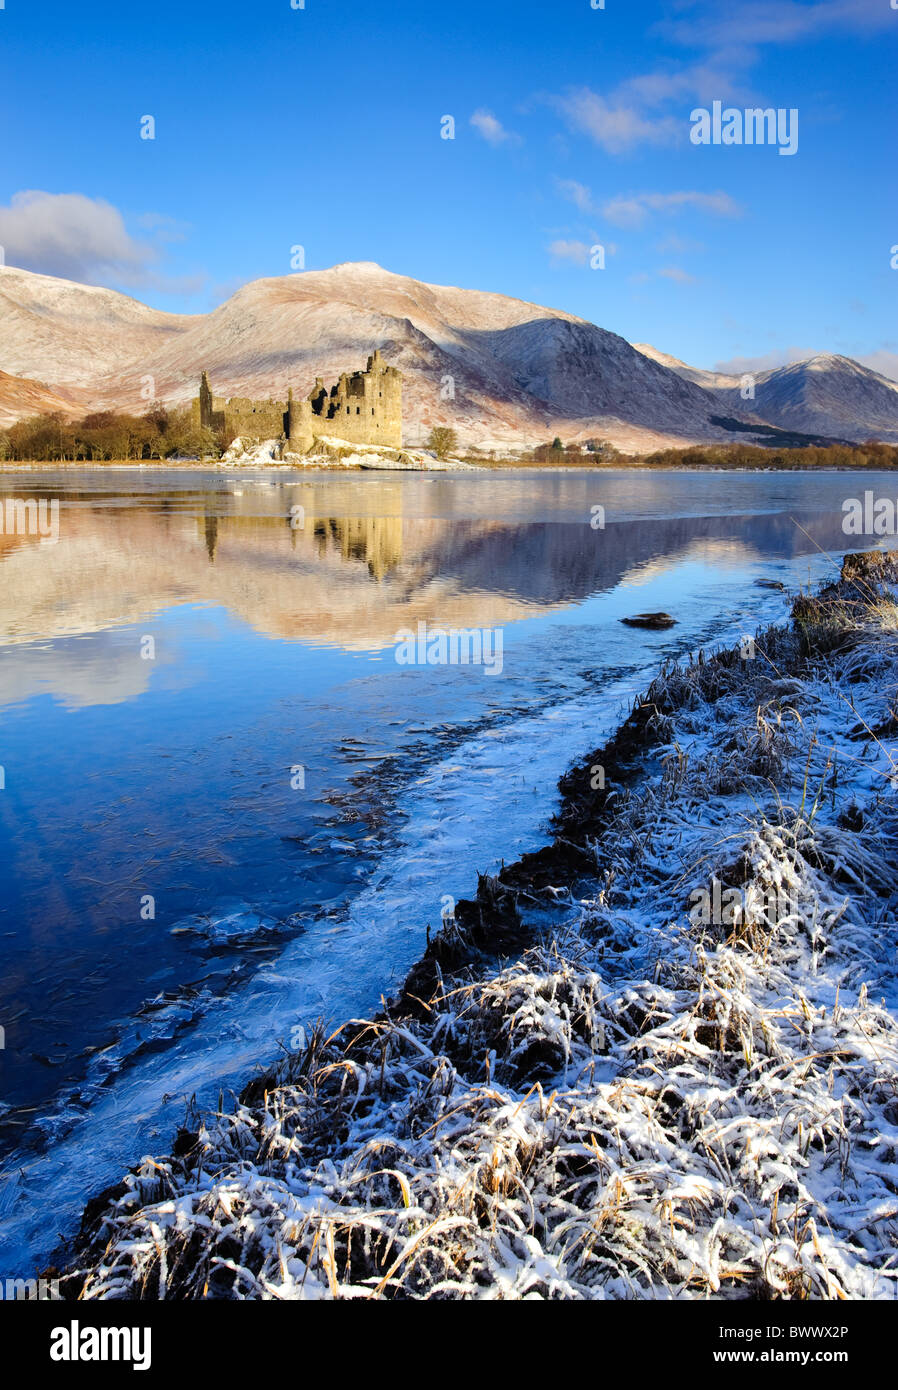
{"points": [[645, 1098]]}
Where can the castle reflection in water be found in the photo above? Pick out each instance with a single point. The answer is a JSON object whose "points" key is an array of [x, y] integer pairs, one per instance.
{"points": [[350, 559]]}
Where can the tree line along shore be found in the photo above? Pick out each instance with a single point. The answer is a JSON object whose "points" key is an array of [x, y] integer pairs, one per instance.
{"points": [[173, 436]]}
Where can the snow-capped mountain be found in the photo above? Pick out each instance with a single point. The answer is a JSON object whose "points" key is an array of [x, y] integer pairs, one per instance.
{"points": [[823, 395], [501, 371], [74, 335]]}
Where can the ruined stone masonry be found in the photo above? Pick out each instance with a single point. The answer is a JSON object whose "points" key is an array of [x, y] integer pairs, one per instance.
{"points": [[363, 408]]}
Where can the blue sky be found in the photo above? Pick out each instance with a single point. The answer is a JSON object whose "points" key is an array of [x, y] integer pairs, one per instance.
{"points": [[321, 127]]}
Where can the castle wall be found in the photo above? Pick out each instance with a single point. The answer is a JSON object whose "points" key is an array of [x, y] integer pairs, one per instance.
{"points": [[255, 419]]}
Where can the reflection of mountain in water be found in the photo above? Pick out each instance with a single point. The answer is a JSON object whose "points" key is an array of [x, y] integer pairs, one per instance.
{"points": [[564, 562], [346, 580]]}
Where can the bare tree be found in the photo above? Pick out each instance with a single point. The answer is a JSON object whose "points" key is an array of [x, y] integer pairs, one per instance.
{"points": [[443, 441]]}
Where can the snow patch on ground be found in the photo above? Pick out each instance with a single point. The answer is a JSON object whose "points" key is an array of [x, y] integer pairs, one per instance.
{"points": [[245, 453], [330, 452]]}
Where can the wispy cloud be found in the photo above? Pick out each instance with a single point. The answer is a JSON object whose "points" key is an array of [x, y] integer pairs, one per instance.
{"points": [[647, 109], [882, 361], [73, 236], [163, 227], [677, 274], [680, 246], [765, 362], [631, 210], [719, 76], [668, 272], [712, 25], [632, 113], [492, 129], [577, 252], [576, 193], [615, 125]]}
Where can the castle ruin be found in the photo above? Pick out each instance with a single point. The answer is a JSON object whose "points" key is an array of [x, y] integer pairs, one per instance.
{"points": [[363, 408]]}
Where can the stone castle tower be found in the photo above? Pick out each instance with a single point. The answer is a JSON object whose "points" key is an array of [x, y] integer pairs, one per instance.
{"points": [[363, 408]]}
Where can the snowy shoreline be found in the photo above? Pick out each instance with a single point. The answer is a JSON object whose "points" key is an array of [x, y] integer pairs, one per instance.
{"points": [[597, 1083], [342, 457]]}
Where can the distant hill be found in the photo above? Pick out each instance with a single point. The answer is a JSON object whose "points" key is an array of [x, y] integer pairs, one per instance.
{"points": [[825, 395]]}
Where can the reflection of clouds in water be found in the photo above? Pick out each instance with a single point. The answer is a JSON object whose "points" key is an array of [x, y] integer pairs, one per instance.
{"points": [[719, 554], [77, 671]]}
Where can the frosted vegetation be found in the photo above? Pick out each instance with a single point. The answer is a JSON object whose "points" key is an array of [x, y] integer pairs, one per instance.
{"points": [[592, 1086]]}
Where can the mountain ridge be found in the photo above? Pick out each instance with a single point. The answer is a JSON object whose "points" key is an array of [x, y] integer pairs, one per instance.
{"points": [[505, 373], [825, 394]]}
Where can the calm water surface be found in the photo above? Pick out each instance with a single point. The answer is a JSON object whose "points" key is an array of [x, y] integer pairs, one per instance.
{"points": [[174, 901]]}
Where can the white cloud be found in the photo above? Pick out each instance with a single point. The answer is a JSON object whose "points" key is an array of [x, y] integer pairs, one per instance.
{"points": [[765, 362], [777, 21], [680, 246], [631, 210], [79, 238], [677, 274], [576, 193], [575, 251], [491, 128], [70, 235], [163, 227], [882, 361], [648, 108], [617, 127], [669, 272], [629, 115], [713, 78]]}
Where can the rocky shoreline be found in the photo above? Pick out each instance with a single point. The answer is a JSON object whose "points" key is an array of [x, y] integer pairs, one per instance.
{"points": [[658, 1058]]}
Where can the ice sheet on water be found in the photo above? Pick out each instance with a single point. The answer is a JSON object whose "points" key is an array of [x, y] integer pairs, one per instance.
{"points": [[241, 925]]}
